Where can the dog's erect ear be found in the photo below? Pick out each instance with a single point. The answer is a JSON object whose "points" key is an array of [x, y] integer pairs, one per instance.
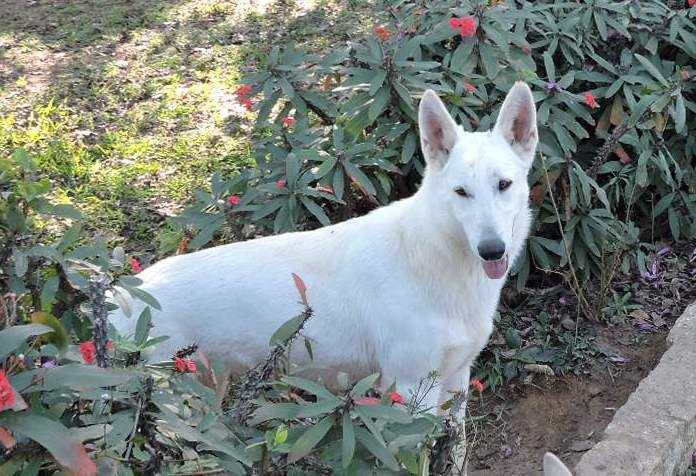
{"points": [[438, 132], [517, 121], [554, 466]]}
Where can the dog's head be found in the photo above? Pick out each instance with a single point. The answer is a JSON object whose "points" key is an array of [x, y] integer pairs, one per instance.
{"points": [[480, 178]]}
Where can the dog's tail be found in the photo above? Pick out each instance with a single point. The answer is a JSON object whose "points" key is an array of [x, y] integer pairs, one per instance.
{"points": [[554, 466]]}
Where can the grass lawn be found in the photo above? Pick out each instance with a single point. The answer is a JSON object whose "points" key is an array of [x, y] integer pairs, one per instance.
{"points": [[128, 104]]}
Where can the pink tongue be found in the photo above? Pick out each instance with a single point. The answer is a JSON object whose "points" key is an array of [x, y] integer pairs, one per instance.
{"points": [[496, 269]]}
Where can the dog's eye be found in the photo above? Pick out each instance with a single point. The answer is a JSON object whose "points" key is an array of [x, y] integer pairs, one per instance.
{"points": [[504, 184], [461, 192]]}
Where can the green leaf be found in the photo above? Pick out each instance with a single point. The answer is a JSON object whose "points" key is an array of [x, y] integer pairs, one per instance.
{"points": [[142, 328], [408, 148], [57, 439], [650, 68], [308, 386], [673, 219], [550, 68], [379, 450], [13, 337], [385, 412], [75, 376], [364, 385], [306, 443], [679, 114], [377, 81], [348, 440], [359, 176], [316, 210], [379, 103], [286, 331]]}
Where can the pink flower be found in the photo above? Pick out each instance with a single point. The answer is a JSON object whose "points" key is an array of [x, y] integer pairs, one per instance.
{"points": [[7, 393], [136, 266], [477, 384], [280, 183], [233, 200], [590, 100], [288, 121], [466, 25], [692, 3], [396, 397], [470, 88], [185, 365]]}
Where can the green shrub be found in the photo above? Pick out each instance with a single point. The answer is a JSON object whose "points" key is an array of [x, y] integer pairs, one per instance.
{"points": [[614, 87]]}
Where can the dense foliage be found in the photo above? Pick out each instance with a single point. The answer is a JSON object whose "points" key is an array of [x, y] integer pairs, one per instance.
{"points": [[335, 135]]}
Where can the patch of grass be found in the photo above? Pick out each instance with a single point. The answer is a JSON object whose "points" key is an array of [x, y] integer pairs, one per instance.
{"points": [[129, 107]]}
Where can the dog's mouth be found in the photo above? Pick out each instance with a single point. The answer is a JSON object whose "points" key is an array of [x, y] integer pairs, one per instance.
{"points": [[495, 269]]}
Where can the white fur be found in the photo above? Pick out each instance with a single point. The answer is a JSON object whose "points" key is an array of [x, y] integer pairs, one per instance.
{"points": [[399, 291]]}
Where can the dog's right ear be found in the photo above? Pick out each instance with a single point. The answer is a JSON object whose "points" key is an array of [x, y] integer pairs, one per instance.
{"points": [[438, 131], [554, 466]]}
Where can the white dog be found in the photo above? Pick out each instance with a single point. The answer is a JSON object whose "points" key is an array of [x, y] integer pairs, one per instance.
{"points": [[405, 290]]}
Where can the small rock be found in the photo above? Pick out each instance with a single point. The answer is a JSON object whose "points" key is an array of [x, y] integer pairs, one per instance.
{"points": [[581, 445]]}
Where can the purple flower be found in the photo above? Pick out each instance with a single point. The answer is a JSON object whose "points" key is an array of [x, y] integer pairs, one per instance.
{"points": [[552, 86], [48, 363]]}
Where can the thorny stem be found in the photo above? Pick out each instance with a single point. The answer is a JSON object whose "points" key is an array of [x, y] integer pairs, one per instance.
{"points": [[255, 380], [98, 285]]}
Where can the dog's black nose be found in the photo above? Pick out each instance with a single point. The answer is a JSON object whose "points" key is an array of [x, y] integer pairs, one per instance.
{"points": [[491, 249]]}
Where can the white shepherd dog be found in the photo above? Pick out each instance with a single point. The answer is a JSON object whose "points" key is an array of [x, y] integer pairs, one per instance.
{"points": [[408, 289]]}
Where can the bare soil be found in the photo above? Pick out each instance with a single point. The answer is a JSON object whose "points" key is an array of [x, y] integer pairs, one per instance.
{"points": [[566, 416]]}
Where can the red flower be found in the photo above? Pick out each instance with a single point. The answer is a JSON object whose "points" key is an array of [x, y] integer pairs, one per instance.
{"points": [[470, 88], [477, 384], [368, 401], [382, 32], [466, 26], [136, 266], [233, 200], [396, 397], [288, 121], [280, 183], [7, 393], [185, 365], [243, 90], [88, 351], [590, 100], [247, 103]]}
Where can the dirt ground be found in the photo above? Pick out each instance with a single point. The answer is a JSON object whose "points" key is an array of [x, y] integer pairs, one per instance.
{"points": [[566, 416]]}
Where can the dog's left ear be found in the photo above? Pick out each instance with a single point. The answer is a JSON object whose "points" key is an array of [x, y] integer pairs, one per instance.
{"points": [[517, 121]]}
